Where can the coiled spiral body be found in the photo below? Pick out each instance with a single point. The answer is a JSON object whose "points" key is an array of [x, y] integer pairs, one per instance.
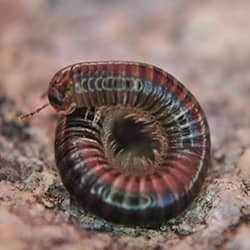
{"points": [[136, 147]]}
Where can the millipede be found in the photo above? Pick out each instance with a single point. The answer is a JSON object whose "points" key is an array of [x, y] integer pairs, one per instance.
{"points": [[132, 144]]}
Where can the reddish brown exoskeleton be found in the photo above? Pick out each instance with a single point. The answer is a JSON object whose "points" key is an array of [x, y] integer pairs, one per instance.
{"points": [[132, 143]]}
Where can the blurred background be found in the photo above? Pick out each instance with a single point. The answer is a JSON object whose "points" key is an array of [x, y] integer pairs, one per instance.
{"points": [[204, 44]]}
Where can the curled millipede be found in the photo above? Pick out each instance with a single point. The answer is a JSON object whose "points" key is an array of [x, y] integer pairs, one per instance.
{"points": [[132, 144]]}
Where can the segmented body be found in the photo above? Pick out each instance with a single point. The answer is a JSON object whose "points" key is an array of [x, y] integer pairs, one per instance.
{"points": [[162, 169]]}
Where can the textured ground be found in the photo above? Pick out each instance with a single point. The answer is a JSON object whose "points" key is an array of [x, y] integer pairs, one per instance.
{"points": [[205, 44]]}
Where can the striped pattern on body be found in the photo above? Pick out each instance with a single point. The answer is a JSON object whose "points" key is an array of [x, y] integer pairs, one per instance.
{"points": [[158, 102]]}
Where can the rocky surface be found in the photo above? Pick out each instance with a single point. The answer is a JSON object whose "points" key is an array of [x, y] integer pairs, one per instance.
{"points": [[205, 44]]}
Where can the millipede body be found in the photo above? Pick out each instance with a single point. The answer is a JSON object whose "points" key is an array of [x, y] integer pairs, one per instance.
{"points": [[132, 143]]}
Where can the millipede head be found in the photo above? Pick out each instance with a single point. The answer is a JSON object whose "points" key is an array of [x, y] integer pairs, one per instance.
{"points": [[60, 93]]}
